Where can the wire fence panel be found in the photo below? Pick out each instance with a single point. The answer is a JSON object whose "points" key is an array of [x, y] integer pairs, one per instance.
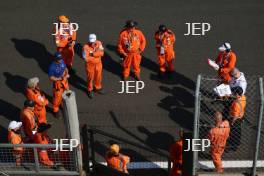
{"points": [[33, 158], [239, 150], [260, 162], [141, 156]]}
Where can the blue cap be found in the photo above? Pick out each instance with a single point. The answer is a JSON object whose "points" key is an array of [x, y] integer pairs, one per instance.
{"points": [[57, 56]]}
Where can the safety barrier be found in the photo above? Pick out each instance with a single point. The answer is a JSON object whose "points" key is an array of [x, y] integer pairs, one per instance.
{"points": [[245, 146], [144, 160], [65, 162]]}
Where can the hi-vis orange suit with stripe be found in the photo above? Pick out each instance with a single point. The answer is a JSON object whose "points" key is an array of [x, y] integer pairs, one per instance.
{"points": [[92, 54], [166, 41], [131, 44], [40, 103], [176, 158], [218, 137], [64, 45], [227, 62]]}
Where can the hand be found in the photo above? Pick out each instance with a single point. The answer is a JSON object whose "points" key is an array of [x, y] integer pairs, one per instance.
{"points": [[58, 79], [125, 55], [46, 102]]}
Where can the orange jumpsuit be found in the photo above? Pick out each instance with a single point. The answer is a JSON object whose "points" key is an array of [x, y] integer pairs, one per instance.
{"points": [[40, 138], [117, 162], [40, 103], [93, 64], [130, 45], [15, 138], [237, 108], [29, 121], [227, 62], [58, 89], [218, 137], [176, 158], [65, 46], [165, 41]]}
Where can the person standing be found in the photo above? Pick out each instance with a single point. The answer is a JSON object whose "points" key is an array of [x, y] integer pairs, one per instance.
{"points": [[165, 39], [226, 60], [58, 74], [93, 51], [65, 40], [238, 80], [14, 137], [41, 137], [34, 93], [131, 44], [218, 136], [176, 150], [29, 120]]}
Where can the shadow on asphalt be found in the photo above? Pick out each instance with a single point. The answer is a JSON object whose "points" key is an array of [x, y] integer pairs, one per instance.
{"points": [[16, 83], [112, 65], [78, 49], [3, 132], [34, 50], [177, 104], [157, 140], [118, 125], [10, 112]]}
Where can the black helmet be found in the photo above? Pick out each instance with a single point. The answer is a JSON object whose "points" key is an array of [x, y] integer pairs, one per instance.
{"points": [[131, 24], [162, 28], [29, 103]]}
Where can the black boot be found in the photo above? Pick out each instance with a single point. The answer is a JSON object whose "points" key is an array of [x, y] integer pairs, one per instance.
{"points": [[90, 94], [100, 91]]}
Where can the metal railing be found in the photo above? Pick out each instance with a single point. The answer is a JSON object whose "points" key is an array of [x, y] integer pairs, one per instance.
{"points": [[142, 157], [244, 148], [64, 162]]}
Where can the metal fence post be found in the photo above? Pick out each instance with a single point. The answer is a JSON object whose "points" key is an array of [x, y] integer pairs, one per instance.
{"points": [[92, 146], [169, 165], [86, 156], [36, 159], [196, 121], [259, 127], [70, 113]]}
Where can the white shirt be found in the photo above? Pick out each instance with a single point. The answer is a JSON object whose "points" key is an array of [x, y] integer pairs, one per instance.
{"points": [[240, 81]]}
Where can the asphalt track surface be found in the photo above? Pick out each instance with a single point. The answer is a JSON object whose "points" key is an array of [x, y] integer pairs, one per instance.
{"points": [[164, 105]]}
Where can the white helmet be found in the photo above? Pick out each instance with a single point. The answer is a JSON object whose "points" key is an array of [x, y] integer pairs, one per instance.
{"points": [[14, 124], [92, 38], [224, 47]]}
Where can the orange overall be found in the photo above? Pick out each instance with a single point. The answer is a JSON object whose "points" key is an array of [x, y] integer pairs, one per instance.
{"points": [[40, 103], [65, 46], [218, 137], [176, 158], [165, 52], [29, 121], [227, 62], [131, 44], [40, 138], [92, 54], [237, 109], [58, 89], [15, 138], [118, 162]]}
